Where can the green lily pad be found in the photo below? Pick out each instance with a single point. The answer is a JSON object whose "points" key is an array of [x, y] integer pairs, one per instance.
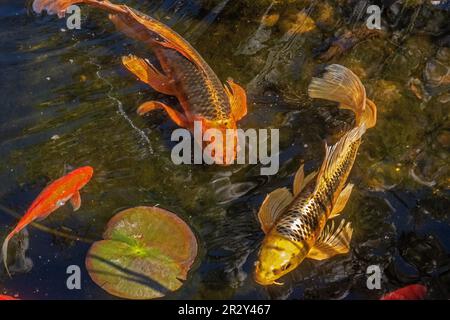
{"points": [[147, 252]]}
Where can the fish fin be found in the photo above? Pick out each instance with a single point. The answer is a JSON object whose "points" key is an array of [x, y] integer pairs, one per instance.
{"points": [[273, 206], [146, 72], [341, 201], [170, 39], [334, 153], [75, 201], [370, 114], [300, 181], [340, 84], [5, 250], [178, 48], [58, 7], [332, 241], [238, 99], [176, 116]]}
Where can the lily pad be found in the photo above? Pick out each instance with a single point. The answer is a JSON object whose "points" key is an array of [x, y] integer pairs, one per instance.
{"points": [[147, 252]]}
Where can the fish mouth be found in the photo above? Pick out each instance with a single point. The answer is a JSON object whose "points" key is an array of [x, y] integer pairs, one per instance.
{"points": [[264, 281]]}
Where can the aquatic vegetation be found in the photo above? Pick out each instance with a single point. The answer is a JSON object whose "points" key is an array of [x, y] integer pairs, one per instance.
{"points": [[146, 253]]}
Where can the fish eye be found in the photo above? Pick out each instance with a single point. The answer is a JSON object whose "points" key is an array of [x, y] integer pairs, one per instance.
{"points": [[286, 266]]}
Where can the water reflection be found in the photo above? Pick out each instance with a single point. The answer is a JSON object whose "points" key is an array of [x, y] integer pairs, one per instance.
{"points": [[68, 101]]}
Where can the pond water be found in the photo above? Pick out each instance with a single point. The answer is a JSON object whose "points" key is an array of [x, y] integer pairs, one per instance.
{"points": [[67, 101]]}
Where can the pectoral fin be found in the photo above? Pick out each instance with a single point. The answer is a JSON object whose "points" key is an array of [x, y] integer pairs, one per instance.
{"points": [[238, 99], [341, 201], [332, 241], [176, 116], [300, 181], [75, 201], [272, 207], [146, 72]]}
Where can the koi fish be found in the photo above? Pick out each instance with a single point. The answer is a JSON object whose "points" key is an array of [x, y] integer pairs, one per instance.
{"points": [[185, 74], [411, 292], [4, 297], [50, 199], [295, 225]]}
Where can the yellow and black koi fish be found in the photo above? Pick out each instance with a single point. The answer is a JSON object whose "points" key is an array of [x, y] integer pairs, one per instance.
{"points": [[295, 224]]}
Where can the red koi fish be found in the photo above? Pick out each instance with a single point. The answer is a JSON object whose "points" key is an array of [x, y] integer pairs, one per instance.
{"points": [[412, 292], [51, 198], [3, 297], [185, 74]]}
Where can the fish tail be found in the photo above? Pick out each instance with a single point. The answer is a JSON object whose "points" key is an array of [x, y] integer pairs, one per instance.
{"points": [[5, 251], [59, 7], [16, 230], [340, 84], [129, 21]]}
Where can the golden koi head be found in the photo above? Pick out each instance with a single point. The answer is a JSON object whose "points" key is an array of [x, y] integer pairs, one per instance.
{"points": [[277, 257]]}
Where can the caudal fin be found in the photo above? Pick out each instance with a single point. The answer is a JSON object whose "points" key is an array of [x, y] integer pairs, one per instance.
{"points": [[340, 84], [5, 251], [59, 7]]}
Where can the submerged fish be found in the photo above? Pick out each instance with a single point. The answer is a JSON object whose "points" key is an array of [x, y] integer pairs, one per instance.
{"points": [[51, 198], [294, 224], [184, 74], [411, 292]]}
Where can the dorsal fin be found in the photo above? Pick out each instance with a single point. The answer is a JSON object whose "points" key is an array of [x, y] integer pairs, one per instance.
{"points": [[300, 181], [335, 152], [272, 207]]}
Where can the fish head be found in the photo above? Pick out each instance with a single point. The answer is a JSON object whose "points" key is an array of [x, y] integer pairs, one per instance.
{"points": [[83, 175], [278, 256], [223, 134]]}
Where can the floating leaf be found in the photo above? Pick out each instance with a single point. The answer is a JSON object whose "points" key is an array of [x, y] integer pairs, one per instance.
{"points": [[146, 253]]}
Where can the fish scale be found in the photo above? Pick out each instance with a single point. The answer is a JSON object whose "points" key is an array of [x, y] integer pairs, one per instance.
{"points": [[204, 93], [301, 220]]}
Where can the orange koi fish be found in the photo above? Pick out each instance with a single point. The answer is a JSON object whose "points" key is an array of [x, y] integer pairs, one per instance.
{"points": [[51, 198], [185, 74], [411, 292]]}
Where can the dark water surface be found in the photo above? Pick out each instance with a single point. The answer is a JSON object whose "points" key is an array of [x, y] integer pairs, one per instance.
{"points": [[66, 101]]}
